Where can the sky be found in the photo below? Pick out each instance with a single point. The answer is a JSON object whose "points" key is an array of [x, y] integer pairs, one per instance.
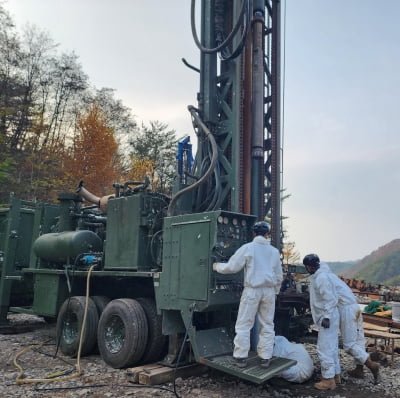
{"points": [[341, 145]]}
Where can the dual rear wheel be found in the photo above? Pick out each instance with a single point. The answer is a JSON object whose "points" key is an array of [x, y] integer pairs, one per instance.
{"points": [[127, 331]]}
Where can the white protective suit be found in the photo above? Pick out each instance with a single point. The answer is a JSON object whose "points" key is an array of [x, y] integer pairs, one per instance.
{"points": [[351, 322], [324, 304], [304, 367], [262, 281]]}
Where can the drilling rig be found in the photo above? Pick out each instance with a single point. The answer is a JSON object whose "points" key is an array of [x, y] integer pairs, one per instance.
{"points": [[137, 264]]}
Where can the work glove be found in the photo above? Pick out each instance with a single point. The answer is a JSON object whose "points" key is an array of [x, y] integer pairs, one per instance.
{"points": [[325, 323], [214, 266]]}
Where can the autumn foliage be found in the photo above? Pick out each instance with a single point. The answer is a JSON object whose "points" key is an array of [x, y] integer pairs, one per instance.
{"points": [[93, 156]]}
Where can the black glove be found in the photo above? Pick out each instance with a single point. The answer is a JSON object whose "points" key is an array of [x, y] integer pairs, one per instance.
{"points": [[325, 323]]}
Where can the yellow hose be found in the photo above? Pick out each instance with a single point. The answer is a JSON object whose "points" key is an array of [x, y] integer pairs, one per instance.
{"points": [[20, 378]]}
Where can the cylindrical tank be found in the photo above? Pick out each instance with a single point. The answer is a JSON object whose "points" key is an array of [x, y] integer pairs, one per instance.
{"points": [[60, 246]]}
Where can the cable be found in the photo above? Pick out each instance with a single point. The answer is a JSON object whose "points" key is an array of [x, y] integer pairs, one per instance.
{"points": [[132, 385], [20, 377]]}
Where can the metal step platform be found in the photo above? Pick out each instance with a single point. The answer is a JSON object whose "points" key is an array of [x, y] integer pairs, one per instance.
{"points": [[253, 372]]}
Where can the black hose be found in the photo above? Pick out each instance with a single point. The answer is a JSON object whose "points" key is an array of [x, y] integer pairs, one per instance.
{"points": [[226, 42], [213, 163]]}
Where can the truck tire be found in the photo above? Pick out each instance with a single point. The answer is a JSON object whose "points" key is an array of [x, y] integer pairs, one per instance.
{"points": [[69, 325], [156, 341], [122, 333], [101, 303]]}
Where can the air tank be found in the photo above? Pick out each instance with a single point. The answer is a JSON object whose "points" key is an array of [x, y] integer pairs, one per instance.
{"points": [[60, 246]]}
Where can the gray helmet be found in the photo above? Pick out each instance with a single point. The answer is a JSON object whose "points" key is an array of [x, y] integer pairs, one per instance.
{"points": [[311, 260], [261, 228]]}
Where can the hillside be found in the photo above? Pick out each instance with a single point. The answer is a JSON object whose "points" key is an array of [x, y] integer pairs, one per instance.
{"points": [[382, 266], [339, 267]]}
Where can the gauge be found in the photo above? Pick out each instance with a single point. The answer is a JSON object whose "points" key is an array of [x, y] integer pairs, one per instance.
{"points": [[244, 223], [235, 221], [220, 219], [226, 220]]}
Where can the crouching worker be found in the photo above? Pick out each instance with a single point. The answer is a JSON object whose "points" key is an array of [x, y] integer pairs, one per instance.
{"points": [[304, 368], [262, 281]]}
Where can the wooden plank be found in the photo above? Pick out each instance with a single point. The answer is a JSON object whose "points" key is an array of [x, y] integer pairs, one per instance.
{"points": [[371, 326], [135, 372], [380, 334], [388, 346], [377, 320], [165, 374]]}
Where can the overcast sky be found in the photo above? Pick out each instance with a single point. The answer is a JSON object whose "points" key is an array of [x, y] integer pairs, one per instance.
{"points": [[341, 160]]}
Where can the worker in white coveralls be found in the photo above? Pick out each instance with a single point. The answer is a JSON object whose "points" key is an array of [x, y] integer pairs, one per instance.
{"points": [[262, 281], [351, 325], [304, 367], [325, 313]]}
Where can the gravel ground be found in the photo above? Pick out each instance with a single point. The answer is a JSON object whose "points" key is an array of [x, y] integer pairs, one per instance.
{"points": [[99, 380]]}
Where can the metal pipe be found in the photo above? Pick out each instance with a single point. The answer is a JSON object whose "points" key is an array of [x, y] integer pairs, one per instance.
{"points": [[247, 127], [257, 145], [276, 229]]}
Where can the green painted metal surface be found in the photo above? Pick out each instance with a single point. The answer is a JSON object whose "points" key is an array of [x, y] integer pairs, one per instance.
{"points": [[16, 238], [253, 372], [124, 213], [61, 247], [50, 292], [45, 221], [190, 247], [191, 243], [131, 226]]}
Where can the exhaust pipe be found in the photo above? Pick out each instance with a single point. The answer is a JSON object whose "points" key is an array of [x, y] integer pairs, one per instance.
{"points": [[100, 202]]}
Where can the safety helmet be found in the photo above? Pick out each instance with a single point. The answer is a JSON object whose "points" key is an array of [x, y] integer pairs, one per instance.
{"points": [[311, 260], [261, 228]]}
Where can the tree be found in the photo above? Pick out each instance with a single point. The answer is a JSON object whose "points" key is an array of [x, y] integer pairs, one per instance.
{"points": [[289, 254], [38, 91], [157, 144], [117, 116], [36, 52], [67, 84], [140, 169], [93, 156]]}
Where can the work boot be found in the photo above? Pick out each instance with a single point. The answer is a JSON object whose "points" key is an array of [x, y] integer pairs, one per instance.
{"points": [[326, 384], [239, 362], [357, 372], [338, 379], [374, 368], [264, 363]]}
